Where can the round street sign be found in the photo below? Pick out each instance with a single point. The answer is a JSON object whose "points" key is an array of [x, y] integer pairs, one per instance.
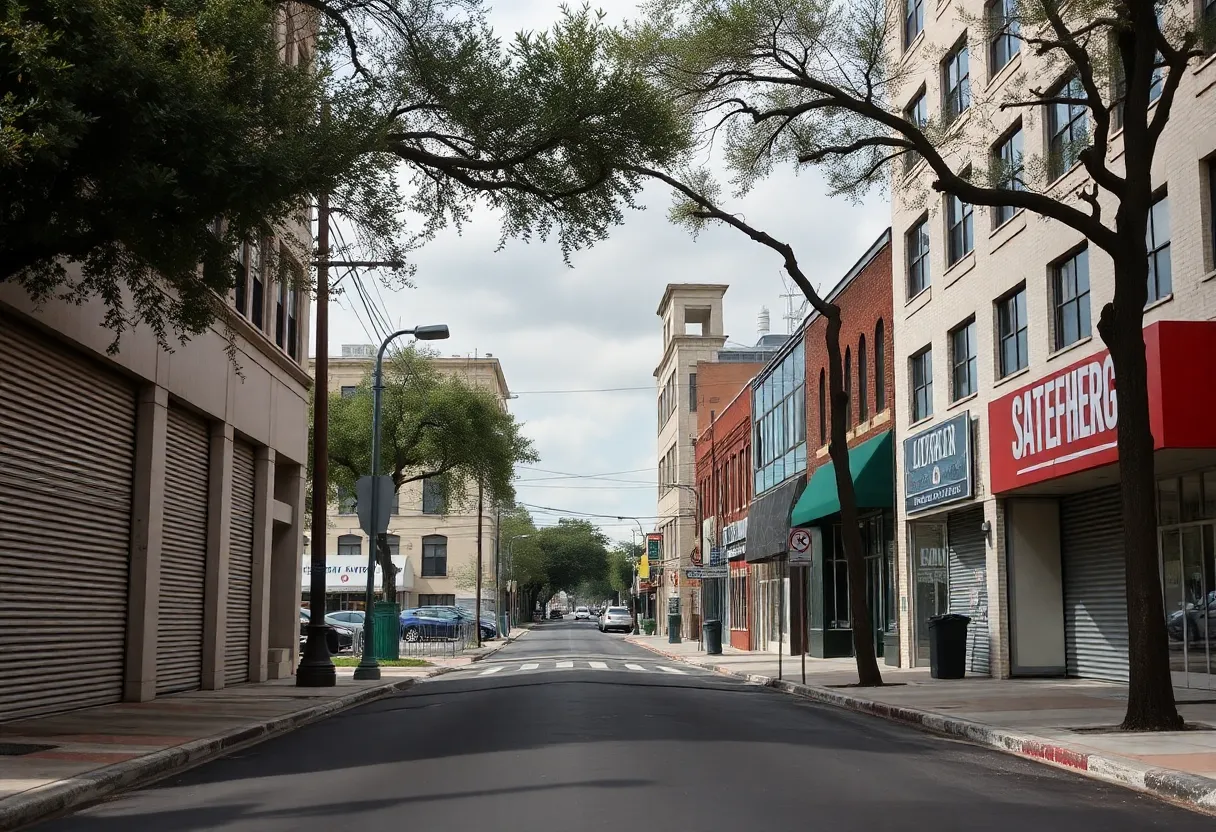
{"points": [[800, 540]]}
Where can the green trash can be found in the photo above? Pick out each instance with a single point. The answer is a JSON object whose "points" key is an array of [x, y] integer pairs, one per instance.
{"points": [[386, 620], [673, 628], [711, 633]]}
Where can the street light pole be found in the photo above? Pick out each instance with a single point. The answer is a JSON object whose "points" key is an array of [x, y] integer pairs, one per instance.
{"points": [[368, 667]]}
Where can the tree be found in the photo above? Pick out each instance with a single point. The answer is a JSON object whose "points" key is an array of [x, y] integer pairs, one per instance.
{"points": [[435, 427], [128, 127], [621, 561], [814, 82]]}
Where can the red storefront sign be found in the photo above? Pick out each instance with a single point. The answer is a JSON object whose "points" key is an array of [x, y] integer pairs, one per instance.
{"points": [[1068, 421]]}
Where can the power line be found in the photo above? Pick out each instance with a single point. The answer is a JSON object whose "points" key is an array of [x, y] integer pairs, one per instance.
{"points": [[592, 514], [589, 476]]}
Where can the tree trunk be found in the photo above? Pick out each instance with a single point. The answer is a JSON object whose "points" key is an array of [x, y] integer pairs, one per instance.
{"points": [[1150, 692], [868, 674], [388, 571]]}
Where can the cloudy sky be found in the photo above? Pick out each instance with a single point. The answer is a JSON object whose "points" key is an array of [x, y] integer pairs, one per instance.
{"points": [[593, 327]]}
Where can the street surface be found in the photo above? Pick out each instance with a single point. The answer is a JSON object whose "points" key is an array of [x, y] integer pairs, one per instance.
{"points": [[569, 728]]}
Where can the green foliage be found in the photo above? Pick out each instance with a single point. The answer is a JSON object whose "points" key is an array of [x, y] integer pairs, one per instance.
{"points": [[621, 561], [127, 127], [434, 426], [572, 556]]}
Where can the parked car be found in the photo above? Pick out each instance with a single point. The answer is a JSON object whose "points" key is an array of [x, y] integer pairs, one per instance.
{"points": [[582, 614], [1199, 618], [342, 636], [555, 614], [489, 629], [616, 618]]}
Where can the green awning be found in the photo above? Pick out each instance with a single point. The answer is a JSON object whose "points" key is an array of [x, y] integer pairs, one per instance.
{"points": [[872, 466]]}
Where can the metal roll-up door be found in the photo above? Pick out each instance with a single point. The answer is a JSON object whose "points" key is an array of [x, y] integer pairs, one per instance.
{"points": [[1095, 603], [240, 567], [183, 561], [67, 453], [968, 578]]}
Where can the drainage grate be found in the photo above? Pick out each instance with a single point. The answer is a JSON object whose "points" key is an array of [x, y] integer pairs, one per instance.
{"points": [[20, 749]]}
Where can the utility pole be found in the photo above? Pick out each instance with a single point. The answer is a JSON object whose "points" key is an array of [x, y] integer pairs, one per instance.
{"points": [[480, 511], [498, 582], [316, 668]]}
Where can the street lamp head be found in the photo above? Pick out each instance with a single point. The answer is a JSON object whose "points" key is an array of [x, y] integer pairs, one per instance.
{"points": [[431, 332]]}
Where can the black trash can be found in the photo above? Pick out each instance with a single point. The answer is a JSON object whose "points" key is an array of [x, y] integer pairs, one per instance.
{"points": [[673, 628], [948, 646], [711, 632]]}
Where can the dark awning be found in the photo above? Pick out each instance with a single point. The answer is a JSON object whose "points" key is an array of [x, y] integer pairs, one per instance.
{"points": [[768, 520], [872, 469]]}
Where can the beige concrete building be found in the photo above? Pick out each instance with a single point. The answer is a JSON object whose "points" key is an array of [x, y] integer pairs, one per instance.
{"points": [[692, 332], [1007, 477], [436, 551]]}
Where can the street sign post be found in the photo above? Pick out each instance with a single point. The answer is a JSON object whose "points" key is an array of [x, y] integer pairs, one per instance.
{"points": [[801, 544], [701, 573], [384, 495]]}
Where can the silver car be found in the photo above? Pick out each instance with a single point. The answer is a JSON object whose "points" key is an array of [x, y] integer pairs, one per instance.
{"points": [[616, 618]]}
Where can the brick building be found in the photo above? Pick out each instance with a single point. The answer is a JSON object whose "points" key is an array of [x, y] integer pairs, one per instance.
{"points": [[1008, 473], [864, 298]]}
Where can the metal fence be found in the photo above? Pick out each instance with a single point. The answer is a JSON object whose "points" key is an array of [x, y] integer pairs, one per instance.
{"points": [[431, 640]]}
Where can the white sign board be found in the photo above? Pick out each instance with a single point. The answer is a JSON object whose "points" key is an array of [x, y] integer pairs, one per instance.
{"points": [[348, 573], [701, 573], [802, 544]]}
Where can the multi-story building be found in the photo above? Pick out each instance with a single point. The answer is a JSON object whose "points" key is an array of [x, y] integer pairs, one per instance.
{"points": [[864, 298], [434, 546], [151, 502], [1008, 475]]}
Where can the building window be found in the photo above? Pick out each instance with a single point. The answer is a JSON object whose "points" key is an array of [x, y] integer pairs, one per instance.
{"points": [[1068, 128], [917, 244], [436, 600], [692, 392], [779, 416], [1007, 159], [667, 400], [1011, 332], [880, 368], [349, 391], [350, 546], [280, 313], [293, 313], [917, 113], [836, 585], [863, 404], [1003, 23], [434, 556], [242, 279], [394, 544], [1209, 25], [1070, 293], [346, 500], [1212, 192], [1158, 83], [738, 600], [964, 367], [914, 20], [432, 496], [848, 387], [960, 229], [956, 83], [257, 312], [922, 384], [823, 410], [1160, 274]]}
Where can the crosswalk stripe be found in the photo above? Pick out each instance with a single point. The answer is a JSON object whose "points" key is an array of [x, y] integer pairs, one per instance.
{"points": [[565, 664], [634, 667], [490, 670], [670, 670], [530, 666], [598, 665]]}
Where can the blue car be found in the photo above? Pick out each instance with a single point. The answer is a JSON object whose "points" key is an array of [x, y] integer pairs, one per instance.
{"points": [[426, 623]]}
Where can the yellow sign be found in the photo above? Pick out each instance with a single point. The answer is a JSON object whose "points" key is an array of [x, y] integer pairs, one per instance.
{"points": [[652, 552], [644, 568]]}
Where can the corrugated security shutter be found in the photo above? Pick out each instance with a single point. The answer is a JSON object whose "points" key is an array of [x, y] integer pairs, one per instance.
{"points": [[240, 566], [183, 564], [1095, 604], [67, 448], [969, 583]]}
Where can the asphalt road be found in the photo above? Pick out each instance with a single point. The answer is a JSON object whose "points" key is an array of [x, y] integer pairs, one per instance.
{"points": [[618, 739]]}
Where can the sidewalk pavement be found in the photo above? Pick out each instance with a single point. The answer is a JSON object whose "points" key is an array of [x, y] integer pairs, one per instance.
{"points": [[82, 756], [1065, 722]]}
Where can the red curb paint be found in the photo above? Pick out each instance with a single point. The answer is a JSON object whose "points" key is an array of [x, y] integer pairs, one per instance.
{"points": [[1055, 754]]}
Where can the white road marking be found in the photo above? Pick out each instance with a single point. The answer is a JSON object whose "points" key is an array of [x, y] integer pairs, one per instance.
{"points": [[565, 664], [529, 666], [670, 670], [598, 665], [634, 667], [490, 670]]}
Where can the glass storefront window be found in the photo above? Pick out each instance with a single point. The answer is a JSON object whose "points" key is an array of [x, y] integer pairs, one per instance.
{"points": [[1192, 498], [932, 593], [1188, 576], [1209, 495], [1168, 511]]}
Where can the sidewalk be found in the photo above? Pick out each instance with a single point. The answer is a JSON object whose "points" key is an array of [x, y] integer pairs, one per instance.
{"points": [[54, 763], [1065, 722]]}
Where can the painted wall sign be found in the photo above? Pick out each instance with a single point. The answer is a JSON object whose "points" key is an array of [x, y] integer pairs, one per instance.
{"points": [[348, 573], [937, 465]]}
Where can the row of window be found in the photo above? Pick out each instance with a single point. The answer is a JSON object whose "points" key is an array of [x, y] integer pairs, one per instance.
{"points": [[779, 420], [1070, 321], [434, 551], [268, 294], [432, 499], [667, 400], [862, 396], [727, 488]]}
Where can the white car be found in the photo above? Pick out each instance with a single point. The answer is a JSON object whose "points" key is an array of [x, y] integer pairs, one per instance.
{"points": [[616, 618], [582, 614]]}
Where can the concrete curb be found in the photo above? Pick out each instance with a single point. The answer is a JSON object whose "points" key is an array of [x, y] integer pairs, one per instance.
{"points": [[44, 802], [497, 647], [1190, 790]]}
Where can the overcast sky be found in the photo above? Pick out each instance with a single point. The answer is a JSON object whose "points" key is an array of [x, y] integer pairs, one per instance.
{"points": [[593, 326]]}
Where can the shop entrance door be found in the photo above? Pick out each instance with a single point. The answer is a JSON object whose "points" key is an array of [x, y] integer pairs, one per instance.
{"points": [[930, 568], [1188, 576]]}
